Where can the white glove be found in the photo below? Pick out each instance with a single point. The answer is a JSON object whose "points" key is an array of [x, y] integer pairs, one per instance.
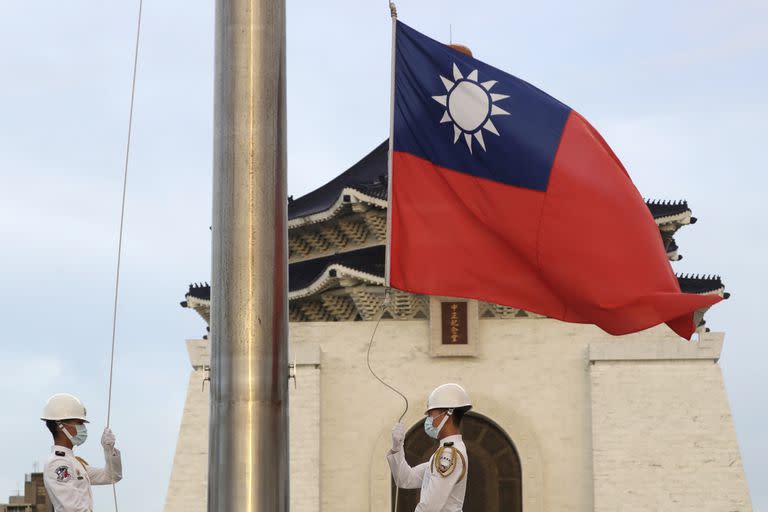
{"points": [[108, 440], [398, 435]]}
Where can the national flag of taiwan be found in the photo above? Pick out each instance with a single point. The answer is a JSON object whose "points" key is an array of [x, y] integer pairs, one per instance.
{"points": [[501, 193]]}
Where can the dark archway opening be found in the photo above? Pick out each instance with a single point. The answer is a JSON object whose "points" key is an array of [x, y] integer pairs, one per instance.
{"points": [[494, 480]]}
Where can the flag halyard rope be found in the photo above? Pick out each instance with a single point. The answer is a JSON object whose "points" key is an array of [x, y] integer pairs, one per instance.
{"points": [[120, 235]]}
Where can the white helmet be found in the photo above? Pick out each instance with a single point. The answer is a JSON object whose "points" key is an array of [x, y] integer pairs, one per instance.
{"points": [[63, 406], [448, 396]]}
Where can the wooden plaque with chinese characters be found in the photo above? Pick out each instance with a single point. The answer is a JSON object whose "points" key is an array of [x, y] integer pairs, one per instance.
{"points": [[453, 327], [454, 323]]}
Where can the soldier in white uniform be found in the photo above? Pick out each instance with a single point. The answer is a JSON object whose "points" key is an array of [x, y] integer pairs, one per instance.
{"points": [[443, 479], [68, 478]]}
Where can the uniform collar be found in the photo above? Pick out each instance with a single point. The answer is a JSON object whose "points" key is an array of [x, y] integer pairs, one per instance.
{"points": [[456, 438], [57, 448]]}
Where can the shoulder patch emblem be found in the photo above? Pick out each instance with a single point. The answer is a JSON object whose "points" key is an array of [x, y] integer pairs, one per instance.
{"points": [[63, 474], [444, 461]]}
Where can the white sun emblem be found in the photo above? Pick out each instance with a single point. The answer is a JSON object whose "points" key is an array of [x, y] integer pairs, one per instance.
{"points": [[469, 104]]}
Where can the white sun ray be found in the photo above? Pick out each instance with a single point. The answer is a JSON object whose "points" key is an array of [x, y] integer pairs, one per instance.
{"points": [[489, 126], [498, 111], [469, 105], [479, 137], [456, 73]]}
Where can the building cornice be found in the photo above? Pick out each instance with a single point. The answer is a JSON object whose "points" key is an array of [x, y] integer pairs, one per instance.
{"points": [[664, 346], [348, 197]]}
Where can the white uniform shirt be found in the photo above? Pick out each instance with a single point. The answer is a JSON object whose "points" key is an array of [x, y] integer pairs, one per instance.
{"points": [[438, 493], [68, 480]]}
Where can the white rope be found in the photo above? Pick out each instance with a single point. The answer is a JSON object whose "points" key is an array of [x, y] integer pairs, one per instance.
{"points": [[384, 304], [120, 236]]}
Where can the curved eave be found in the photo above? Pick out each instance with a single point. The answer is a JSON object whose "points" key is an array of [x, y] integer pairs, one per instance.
{"points": [[201, 306], [664, 208], [702, 285], [679, 219], [348, 196], [369, 170], [333, 276]]}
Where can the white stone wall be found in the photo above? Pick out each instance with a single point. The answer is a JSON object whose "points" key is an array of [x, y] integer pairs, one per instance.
{"points": [[575, 401], [663, 437], [531, 377], [305, 427], [188, 487]]}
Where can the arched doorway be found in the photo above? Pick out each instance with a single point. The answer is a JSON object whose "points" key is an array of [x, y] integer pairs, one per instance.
{"points": [[494, 481]]}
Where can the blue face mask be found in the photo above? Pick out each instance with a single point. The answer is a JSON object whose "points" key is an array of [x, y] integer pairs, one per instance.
{"points": [[431, 430], [81, 434]]}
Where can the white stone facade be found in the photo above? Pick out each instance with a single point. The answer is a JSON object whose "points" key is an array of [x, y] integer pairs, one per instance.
{"points": [[674, 453], [189, 484], [634, 423]]}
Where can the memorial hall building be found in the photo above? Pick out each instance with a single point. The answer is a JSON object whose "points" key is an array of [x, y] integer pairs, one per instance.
{"points": [[565, 417]]}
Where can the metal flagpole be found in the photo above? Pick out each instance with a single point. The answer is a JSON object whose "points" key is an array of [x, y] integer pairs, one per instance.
{"points": [[248, 451], [393, 13]]}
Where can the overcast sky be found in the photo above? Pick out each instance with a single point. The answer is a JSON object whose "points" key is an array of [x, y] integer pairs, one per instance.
{"points": [[677, 88]]}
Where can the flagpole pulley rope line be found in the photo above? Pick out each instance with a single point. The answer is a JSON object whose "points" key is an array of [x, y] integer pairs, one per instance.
{"points": [[384, 304], [120, 235]]}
